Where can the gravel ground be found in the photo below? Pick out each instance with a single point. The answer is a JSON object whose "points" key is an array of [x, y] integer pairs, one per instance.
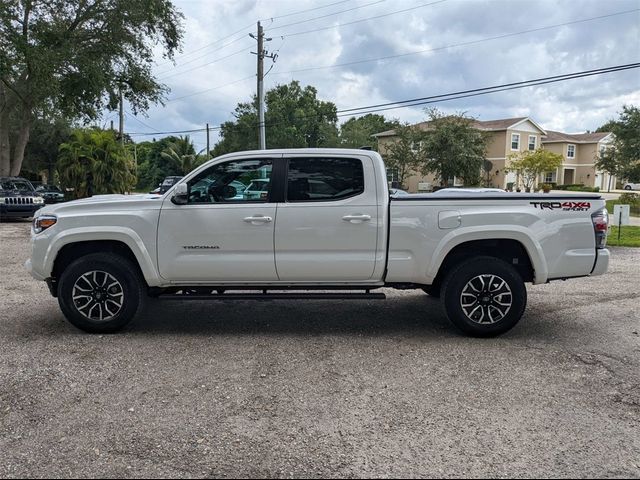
{"points": [[322, 389]]}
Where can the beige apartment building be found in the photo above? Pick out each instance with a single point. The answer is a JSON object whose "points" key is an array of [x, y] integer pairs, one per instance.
{"points": [[513, 135]]}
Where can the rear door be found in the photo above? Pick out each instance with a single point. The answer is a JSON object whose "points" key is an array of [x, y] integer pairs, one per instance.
{"points": [[327, 228]]}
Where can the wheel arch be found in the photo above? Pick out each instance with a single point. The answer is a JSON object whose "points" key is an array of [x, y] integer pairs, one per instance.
{"points": [[73, 245], [509, 250]]}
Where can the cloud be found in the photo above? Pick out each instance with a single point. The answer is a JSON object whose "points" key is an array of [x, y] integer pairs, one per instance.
{"points": [[572, 106]]}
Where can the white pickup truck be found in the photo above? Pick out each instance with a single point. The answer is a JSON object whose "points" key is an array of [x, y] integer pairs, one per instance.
{"points": [[276, 223]]}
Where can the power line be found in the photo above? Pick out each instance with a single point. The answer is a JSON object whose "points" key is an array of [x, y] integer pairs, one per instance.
{"points": [[305, 11], [446, 97], [244, 50], [210, 45], [327, 15], [131, 115], [462, 44], [488, 90], [364, 19], [211, 89], [244, 30]]}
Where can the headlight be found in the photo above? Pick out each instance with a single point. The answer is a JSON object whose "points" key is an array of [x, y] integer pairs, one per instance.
{"points": [[43, 222], [38, 200]]}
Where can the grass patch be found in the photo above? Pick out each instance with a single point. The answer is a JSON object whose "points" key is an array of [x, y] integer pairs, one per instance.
{"points": [[629, 237], [635, 208]]}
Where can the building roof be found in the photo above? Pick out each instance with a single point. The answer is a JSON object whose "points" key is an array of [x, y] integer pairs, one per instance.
{"points": [[556, 137], [488, 125]]}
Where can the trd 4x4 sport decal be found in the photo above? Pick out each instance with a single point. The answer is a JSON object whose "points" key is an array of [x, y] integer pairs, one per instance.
{"points": [[565, 206]]}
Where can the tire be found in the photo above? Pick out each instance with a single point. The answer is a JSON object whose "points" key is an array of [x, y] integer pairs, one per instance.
{"points": [[627, 187], [432, 291], [482, 310], [108, 292]]}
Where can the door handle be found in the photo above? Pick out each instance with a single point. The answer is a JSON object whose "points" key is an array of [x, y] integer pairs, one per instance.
{"points": [[356, 218], [257, 220]]}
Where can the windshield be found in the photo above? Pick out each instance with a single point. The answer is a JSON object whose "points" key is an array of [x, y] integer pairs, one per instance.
{"points": [[21, 185]]}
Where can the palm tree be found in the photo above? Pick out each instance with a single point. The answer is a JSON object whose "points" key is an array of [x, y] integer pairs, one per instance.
{"points": [[93, 161], [182, 153]]}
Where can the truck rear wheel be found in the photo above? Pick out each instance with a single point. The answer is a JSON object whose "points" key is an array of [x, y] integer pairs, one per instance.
{"points": [[100, 292], [484, 296]]}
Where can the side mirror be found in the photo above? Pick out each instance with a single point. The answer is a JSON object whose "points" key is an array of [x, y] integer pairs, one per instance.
{"points": [[181, 194]]}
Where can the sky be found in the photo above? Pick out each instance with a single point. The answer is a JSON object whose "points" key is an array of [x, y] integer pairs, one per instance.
{"points": [[437, 47]]}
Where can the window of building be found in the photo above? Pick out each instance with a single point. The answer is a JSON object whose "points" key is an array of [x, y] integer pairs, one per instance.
{"points": [[532, 142], [324, 179], [571, 151], [550, 177], [392, 175], [515, 141]]}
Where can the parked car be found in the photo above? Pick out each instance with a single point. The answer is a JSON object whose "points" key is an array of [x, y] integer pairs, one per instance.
{"points": [[632, 186], [50, 193], [165, 185], [323, 221], [18, 198], [397, 191], [257, 189]]}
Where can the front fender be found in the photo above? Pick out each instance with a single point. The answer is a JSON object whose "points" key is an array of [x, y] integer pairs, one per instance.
{"points": [[491, 232], [86, 234]]}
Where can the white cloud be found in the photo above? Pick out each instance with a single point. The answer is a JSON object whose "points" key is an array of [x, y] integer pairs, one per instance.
{"points": [[572, 106]]}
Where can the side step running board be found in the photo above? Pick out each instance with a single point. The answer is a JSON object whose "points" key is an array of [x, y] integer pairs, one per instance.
{"points": [[275, 296]]}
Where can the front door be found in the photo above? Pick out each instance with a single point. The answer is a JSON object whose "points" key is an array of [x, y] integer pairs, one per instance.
{"points": [[327, 228], [225, 232], [569, 176]]}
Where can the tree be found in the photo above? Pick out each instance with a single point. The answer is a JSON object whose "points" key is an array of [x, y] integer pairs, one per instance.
{"points": [[95, 162], [453, 147], [608, 161], [358, 132], [182, 152], [294, 118], [622, 158], [44, 143], [529, 165], [152, 167], [405, 153], [487, 168], [72, 58]]}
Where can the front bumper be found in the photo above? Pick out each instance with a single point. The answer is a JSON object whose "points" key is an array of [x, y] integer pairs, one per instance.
{"points": [[18, 211], [602, 262]]}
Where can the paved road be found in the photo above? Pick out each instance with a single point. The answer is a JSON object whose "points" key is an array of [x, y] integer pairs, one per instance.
{"points": [[321, 389]]}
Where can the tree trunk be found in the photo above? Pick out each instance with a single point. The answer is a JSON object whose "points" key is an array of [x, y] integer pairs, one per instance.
{"points": [[5, 146], [21, 142]]}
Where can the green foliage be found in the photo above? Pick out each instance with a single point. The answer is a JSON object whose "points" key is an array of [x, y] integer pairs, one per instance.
{"points": [[623, 157], [94, 162], [631, 199], [181, 152], [44, 143], [358, 132], [294, 118], [71, 58], [530, 164], [452, 147], [405, 154], [629, 236], [152, 167]]}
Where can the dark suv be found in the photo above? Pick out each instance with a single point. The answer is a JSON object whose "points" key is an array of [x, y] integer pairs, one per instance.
{"points": [[18, 198]]}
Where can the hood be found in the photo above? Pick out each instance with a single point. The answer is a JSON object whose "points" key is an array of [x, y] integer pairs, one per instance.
{"points": [[18, 193], [105, 204]]}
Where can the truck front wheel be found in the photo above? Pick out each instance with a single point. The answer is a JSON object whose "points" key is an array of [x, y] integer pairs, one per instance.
{"points": [[100, 292], [484, 296]]}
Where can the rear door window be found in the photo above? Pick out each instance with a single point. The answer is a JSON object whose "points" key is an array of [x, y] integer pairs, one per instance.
{"points": [[324, 179]]}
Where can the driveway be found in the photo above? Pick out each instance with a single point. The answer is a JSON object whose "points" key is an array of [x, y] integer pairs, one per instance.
{"points": [[322, 389]]}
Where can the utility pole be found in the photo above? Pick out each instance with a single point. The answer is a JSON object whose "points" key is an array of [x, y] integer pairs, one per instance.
{"points": [[207, 141], [261, 54], [121, 125]]}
